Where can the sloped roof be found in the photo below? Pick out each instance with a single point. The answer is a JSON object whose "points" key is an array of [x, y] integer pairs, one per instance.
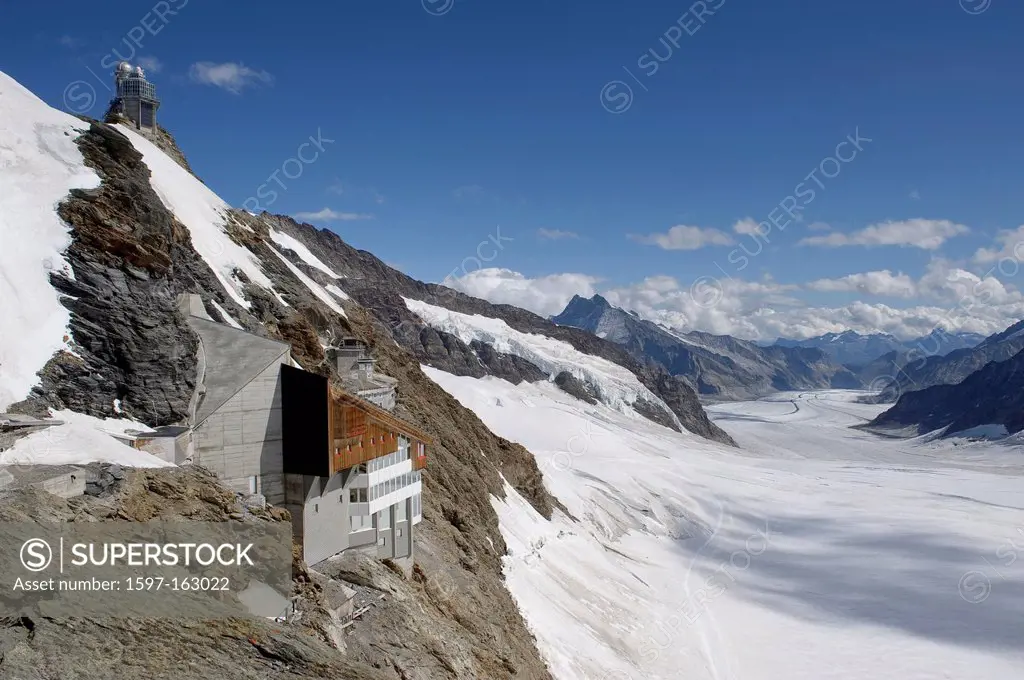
{"points": [[234, 358]]}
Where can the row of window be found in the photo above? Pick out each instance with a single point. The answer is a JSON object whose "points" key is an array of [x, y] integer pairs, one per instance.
{"points": [[137, 88], [362, 494], [399, 456], [383, 518]]}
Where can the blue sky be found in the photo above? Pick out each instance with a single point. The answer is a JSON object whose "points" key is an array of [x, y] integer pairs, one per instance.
{"points": [[451, 119]]}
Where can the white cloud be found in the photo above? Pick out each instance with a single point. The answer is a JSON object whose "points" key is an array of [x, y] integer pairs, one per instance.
{"points": [[328, 215], [230, 76], [748, 226], [917, 233], [545, 295], [819, 226], [150, 64], [683, 237], [915, 195], [70, 42], [1009, 250], [872, 283], [767, 309], [762, 311], [556, 234]]}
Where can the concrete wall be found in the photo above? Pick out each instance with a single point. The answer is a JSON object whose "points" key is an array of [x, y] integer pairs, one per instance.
{"points": [[243, 440], [383, 397], [321, 511], [395, 535], [66, 485]]}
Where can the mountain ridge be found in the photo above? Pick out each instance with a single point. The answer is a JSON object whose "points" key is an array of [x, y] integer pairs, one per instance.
{"points": [[969, 404], [717, 367]]}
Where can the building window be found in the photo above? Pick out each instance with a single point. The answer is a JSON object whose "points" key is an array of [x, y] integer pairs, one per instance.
{"points": [[316, 507], [382, 541], [399, 533]]}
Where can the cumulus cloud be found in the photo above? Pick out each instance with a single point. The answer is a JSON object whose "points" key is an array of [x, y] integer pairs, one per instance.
{"points": [[766, 309], [556, 234], [231, 76], [916, 233], [872, 283], [683, 237], [328, 215], [747, 226], [1009, 249], [544, 295]]}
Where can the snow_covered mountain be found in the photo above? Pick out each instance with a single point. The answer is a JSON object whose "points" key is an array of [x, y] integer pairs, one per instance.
{"points": [[848, 347], [717, 366], [916, 370], [855, 349], [584, 515]]}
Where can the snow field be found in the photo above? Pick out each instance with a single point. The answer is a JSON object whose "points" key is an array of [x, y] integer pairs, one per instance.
{"points": [[850, 557]]}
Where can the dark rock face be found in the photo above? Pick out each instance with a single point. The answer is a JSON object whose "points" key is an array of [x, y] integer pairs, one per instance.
{"points": [[577, 388], [510, 367], [130, 259], [992, 395], [919, 372], [448, 353], [716, 366]]}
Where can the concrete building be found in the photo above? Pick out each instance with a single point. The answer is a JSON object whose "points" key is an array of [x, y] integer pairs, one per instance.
{"points": [[134, 96], [347, 469], [342, 452], [359, 376]]}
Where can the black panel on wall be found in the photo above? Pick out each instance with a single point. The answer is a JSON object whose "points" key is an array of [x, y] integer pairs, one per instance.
{"points": [[304, 423]]}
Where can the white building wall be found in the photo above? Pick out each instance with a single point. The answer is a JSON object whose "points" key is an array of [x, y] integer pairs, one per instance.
{"points": [[242, 440], [330, 518]]}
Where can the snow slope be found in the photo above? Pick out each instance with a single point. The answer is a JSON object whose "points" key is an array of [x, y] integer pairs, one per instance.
{"points": [[204, 214], [849, 557], [39, 165], [619, 387], [81, 439], [314, 287], [227, 317], [304, 253]]}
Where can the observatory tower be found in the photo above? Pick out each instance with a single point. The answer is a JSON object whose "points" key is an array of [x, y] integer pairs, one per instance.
{"points": [[135, 96]]}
